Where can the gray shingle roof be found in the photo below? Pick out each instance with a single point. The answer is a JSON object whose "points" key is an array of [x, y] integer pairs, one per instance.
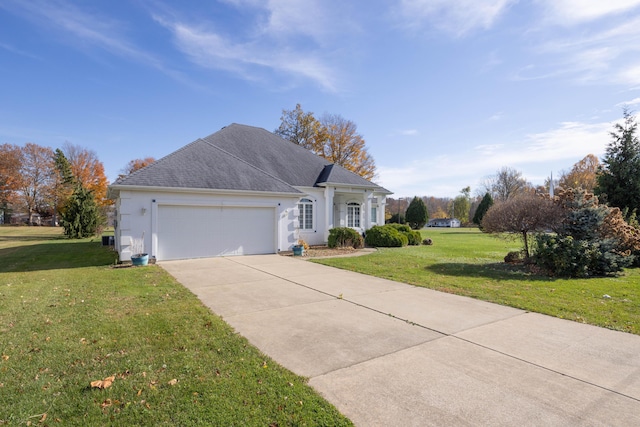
{"points": [[240, 157]]}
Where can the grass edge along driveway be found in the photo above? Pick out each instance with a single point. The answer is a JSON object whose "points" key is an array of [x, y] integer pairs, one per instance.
{"points": [[67, 318], [470, 263]]}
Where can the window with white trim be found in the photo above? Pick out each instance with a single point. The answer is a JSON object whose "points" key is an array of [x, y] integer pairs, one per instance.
{"points": [[305, 217], [374, 214], [353, 215]]}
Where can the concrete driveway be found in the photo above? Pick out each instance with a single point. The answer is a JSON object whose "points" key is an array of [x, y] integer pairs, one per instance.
{"points": [[390, 354]]}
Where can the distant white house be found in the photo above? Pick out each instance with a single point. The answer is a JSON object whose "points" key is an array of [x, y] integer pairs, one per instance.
{"points": [[444, 222]]}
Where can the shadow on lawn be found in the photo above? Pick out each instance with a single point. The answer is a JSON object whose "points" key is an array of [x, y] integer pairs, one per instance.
{"points": [[55, 254], [495, 271]]}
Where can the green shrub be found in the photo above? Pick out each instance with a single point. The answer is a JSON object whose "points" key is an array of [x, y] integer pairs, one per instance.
{"points": [[569, 257], [341, 237], [413, 237], [592, 240], [403, 228], [385, 236]]}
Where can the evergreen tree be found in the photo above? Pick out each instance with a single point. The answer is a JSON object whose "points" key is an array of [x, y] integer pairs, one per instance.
{"points": [[619, 180], [81, 216], [483, 207], [62, 183], [63, 167], [417, 215], [592, 240]]}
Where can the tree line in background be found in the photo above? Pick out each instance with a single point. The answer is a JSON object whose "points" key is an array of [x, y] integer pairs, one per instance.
{"points": [[55, 185], [66, 186], [616, 181]]}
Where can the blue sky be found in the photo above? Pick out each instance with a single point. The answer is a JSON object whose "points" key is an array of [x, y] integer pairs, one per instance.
{"points": [[445, 92]]}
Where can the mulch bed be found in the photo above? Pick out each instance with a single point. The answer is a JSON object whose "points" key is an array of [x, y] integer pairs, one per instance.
{"points": [[322, 251]]}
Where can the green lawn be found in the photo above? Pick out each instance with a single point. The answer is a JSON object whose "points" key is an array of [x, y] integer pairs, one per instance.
{"points": [[468, 262], [67, 318]]}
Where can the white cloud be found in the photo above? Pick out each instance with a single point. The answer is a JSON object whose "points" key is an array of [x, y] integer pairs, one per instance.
{"points": [[291, 17], [84, 27], [211, 50], [567, 140], [635, 101], [606, 52], [571, 12], [629, 75], [458, 17], [409, 132], [17, 51], [80, 29]]}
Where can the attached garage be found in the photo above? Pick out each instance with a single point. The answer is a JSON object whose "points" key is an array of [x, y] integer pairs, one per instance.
{"points": [[209, 231]]}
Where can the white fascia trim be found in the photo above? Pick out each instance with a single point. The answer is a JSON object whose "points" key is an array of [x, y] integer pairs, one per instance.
{"points": [[203, 191], [359, 187]]}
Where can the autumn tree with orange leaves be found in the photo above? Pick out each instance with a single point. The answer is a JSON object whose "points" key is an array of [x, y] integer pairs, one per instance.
{"points": [[582, 175], [87, 171], [344, 146], [135, 165], [333, 138], [10, 160]]}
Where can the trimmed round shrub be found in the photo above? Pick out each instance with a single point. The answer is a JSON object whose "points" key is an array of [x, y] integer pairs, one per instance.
{"points": [[403, 228], [413, 237], [341, 237], [385, 236]]}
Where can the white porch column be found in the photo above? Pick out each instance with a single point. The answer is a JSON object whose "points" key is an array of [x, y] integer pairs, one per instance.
{"points": [[367, 210], [329, 192], [382, 209]]}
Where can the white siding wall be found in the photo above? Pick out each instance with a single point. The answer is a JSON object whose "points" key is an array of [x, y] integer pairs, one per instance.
{"points": [[316, 236]]}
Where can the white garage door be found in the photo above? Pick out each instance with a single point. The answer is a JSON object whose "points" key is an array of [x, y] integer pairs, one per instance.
{"points": [[203, 231]]}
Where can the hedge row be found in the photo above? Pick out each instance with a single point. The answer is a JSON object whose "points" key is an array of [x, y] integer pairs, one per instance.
{"points": [[379, 236]]}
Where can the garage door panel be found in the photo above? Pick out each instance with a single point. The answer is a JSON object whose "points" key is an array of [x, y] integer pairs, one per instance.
{"points": [[201, 231]]}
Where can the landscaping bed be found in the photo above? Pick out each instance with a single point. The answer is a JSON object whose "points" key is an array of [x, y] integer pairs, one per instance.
{"points": [[323, 251]]}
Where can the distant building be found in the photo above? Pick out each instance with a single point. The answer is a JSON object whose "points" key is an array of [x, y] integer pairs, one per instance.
{"points": [[444, 222]]}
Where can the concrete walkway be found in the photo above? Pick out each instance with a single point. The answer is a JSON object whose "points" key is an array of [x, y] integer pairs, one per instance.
{"points": [[389, 354]]}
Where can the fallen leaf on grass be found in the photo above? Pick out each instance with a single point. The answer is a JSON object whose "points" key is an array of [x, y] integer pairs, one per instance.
{"points": [[43, 419], [173, 382], [103, 383]]}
